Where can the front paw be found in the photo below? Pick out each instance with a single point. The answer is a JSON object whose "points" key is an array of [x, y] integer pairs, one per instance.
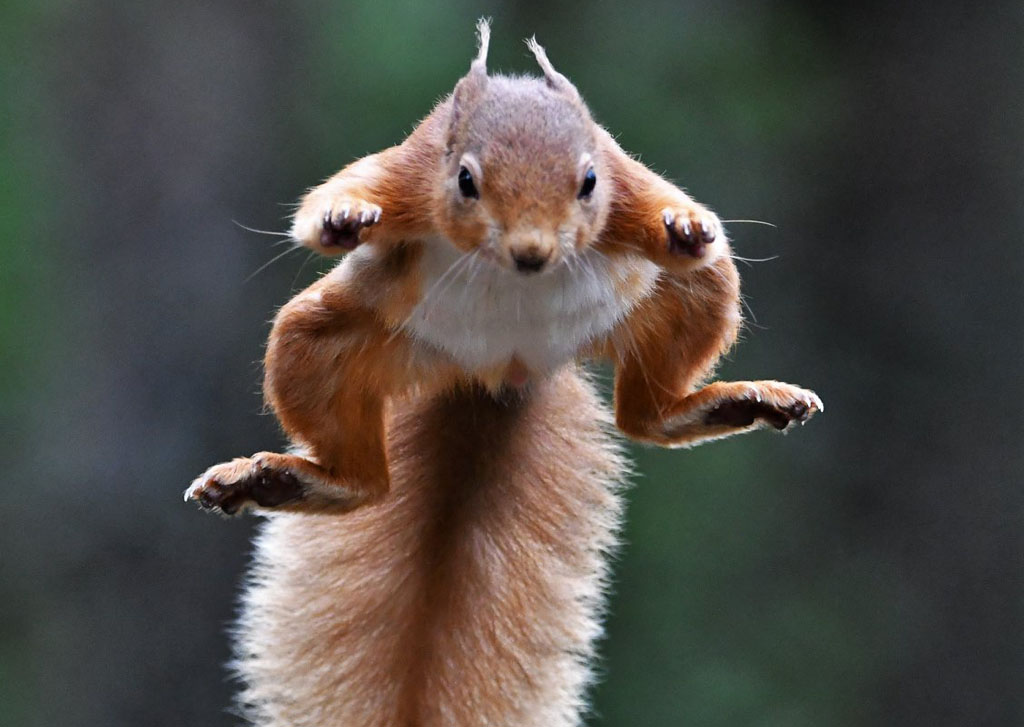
{"points": [[243, 483], [770, 402], [690, 230], [334, 226]]}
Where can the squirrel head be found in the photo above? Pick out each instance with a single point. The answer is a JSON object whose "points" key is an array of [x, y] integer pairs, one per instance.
{"points": [[523, 180]]}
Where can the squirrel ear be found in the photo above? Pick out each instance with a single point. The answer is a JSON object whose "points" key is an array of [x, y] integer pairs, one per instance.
{"points": [[473, 83], [556, 81]]}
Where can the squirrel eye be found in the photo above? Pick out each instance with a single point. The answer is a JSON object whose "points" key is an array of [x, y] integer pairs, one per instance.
{"points": [[466, 185], [589, 180]]}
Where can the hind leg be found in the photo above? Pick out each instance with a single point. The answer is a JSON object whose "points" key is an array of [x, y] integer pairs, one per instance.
{"points": [[724, 408], [330, 367], [270, 480], [674, 340]]}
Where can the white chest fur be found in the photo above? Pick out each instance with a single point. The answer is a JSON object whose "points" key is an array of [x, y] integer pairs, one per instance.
{"points": [[483, 315]]}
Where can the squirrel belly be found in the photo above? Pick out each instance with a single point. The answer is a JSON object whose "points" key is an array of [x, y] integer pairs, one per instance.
{"points": [[470, 596], [483, 316]]}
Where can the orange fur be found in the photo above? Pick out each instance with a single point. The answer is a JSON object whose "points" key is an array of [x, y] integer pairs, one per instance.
{"points": [[467, 594]]}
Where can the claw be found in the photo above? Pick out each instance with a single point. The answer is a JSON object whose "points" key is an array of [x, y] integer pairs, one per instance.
{"points": [[708, 232], [205, 500], [340, 228], [260, 484], [686, 235]]}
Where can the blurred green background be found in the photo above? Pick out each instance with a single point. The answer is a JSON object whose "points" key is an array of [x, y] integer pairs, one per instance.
{"points": [[865, 570]]}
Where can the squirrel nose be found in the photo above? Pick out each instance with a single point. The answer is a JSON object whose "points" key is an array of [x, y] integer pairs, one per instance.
{"points": [[531, 259]]}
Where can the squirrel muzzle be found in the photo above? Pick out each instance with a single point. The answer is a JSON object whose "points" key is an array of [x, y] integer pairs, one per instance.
{"points": [[531, 251]]}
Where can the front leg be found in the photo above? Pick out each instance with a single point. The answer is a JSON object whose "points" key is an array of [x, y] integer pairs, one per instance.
{"points": [[651, 216], [382, 198], [337, 215], [330, 367], [671, 343]]}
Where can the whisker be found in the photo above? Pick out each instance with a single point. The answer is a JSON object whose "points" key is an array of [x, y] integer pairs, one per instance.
{"points": [[312, 254], [444, 275], [467, 258], [571, 266], [637, 360], [456, 263], [754, 259], [752, 222], [261, 232], [474, 268], [742, 298], [270, 262], [746, 305], [588, 267]]}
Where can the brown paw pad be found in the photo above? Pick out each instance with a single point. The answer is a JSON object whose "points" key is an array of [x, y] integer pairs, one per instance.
{"points": [[740, 413], [689, 233], [341, 227], [264, 486]]}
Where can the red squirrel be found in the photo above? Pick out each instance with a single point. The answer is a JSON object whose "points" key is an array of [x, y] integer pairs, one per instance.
{"points": [[460, 462]]}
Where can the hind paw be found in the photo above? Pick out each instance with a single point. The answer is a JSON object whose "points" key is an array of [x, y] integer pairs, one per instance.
{"points": [[243, 483], [773, 403]]}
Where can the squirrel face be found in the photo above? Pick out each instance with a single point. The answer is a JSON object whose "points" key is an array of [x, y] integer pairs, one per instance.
{"points": [[523, 183]]}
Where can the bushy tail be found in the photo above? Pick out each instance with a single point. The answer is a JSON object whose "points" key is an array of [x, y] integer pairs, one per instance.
{"points": [[470, 597]]}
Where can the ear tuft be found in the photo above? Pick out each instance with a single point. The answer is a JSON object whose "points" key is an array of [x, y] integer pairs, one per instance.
{"points": [[556, 81], [472, 85], [483, 41]]}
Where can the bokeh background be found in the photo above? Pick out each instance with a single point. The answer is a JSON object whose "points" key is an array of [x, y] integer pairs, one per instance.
{"points": [[865, 570]]}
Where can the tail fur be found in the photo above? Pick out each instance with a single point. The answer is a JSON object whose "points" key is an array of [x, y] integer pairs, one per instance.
{"points": [[471, 596]]}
